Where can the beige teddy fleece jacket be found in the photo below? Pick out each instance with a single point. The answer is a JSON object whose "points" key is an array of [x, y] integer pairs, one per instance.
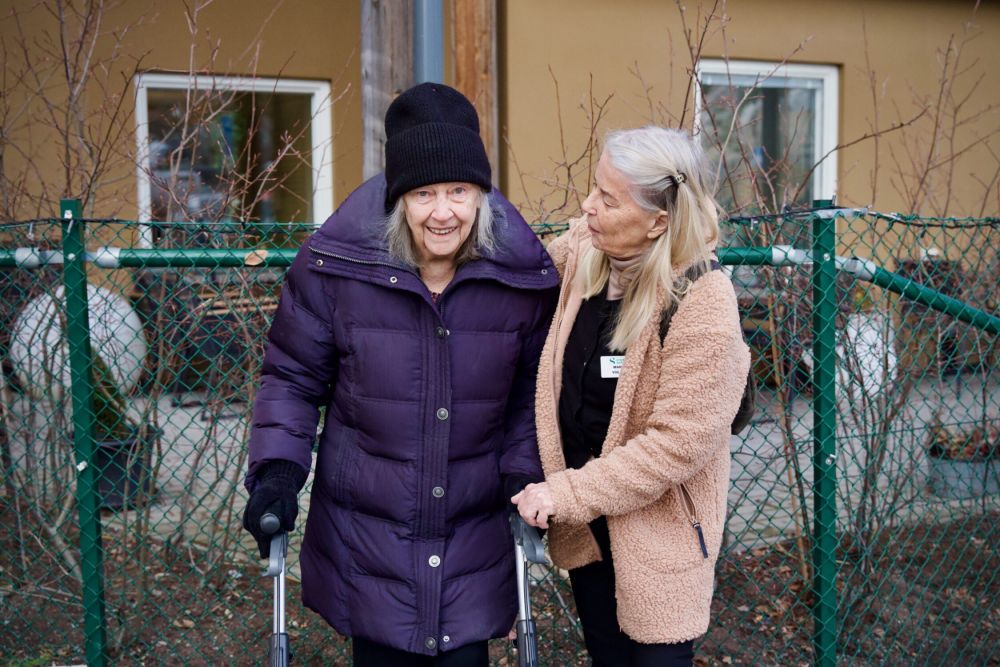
{"points": [[665, 462]]}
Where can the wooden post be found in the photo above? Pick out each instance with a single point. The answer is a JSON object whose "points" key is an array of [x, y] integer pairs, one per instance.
{"points": [[386, 70], [475, 34]]}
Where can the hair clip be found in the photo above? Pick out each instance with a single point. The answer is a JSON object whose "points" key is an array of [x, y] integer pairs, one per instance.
{"points": [[680, 177]]}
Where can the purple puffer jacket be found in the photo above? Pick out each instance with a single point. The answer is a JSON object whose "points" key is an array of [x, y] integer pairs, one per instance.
{"points": [[428, 409]]}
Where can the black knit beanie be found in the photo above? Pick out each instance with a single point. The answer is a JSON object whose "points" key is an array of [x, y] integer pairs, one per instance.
{"points": [[432, 136]]}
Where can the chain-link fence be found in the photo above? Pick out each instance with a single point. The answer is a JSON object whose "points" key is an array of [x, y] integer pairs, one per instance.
{"points": [[864, 497]]}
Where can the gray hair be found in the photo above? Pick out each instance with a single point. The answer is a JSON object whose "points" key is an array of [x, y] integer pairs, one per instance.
{"points": [[656, 161], [665, 170], [482, 240]]}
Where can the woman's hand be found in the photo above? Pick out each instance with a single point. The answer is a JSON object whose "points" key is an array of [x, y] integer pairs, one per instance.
{"points": [[535, 505]]}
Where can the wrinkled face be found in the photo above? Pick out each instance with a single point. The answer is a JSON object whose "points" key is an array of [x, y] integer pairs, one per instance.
{"points": [[620, 228], [440, 218]]}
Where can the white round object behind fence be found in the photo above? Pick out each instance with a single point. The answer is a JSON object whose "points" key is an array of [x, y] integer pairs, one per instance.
{"points": [[39, 353]]}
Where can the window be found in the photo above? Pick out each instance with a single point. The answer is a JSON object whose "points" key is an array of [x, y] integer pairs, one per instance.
{"points": [[770, 125], [223, 149]]}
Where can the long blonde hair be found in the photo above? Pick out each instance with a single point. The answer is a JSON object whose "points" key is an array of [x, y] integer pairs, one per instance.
{"points": [[666, 171]]}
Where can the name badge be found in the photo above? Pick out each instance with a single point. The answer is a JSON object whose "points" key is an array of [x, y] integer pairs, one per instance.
{"points": [[611, 367]]}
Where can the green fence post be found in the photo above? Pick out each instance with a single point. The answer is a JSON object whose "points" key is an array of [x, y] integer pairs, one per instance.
{"points": [[824, 433], [81, 392]]}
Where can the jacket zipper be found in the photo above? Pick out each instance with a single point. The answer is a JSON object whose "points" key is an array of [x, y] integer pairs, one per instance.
{"points": [[351, 259], [369, 262], [693, 518]]}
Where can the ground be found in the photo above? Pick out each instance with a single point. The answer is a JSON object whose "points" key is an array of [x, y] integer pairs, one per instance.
{"points": [[931, 600]]}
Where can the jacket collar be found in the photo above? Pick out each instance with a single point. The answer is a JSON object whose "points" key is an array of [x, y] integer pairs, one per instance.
{"points": [[355, 233]]}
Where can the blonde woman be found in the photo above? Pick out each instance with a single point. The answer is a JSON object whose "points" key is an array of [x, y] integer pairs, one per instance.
{"points": [[633, 430]]}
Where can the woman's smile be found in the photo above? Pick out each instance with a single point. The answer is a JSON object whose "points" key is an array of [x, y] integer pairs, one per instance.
{"points": [[441, 216]]}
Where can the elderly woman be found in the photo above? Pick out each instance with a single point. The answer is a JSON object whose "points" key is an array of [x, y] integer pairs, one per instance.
{"points": [[420, 333], [634, 427]]}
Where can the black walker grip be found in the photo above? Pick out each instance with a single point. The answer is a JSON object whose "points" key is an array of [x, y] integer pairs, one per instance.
{"points": [[529, 539]]}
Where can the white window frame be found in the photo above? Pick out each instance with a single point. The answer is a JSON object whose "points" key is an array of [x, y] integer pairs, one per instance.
{"points": [[320, 126], [824, 178]]}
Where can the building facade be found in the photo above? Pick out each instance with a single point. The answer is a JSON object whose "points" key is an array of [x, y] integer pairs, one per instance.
{"points": [[252, 109]]}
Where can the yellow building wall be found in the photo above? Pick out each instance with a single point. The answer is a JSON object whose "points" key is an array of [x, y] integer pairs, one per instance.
{"points": [[590, 48], [584, 43], [298, 39]]}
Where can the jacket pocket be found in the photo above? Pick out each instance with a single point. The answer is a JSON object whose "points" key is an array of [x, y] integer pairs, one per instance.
{"points": [[661, 537], [692, 516]]}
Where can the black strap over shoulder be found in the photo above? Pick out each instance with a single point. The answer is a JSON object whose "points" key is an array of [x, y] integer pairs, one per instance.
{"points": [[691, 275], [748, 403]]}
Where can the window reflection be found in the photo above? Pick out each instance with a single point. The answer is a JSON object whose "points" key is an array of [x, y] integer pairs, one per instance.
{"points": [[228, 157], [765, 135]]}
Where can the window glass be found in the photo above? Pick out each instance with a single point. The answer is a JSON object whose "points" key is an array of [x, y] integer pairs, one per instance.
{"points": [[769, 130], [765, 132], [229, 155]]}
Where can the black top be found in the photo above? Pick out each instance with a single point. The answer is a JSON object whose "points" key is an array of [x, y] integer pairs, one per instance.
{"points": [[588, 394]]}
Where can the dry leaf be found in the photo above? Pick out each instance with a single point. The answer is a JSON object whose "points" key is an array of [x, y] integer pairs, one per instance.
{"points": [[255, 257]]}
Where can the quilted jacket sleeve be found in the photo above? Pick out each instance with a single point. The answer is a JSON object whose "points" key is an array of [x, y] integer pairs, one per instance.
{"points": [[519, 460], [699, 389], [298, 373]]}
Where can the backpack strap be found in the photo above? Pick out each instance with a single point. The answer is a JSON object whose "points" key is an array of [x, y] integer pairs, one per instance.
{"points": [[748, 403], [691, 275]]}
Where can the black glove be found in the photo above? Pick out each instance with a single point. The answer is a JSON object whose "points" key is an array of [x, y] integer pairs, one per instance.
{"points": [[278, 484], [513, 484]]}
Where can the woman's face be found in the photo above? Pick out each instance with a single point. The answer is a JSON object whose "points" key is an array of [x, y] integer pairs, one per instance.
{"points": [[620, 228], [440, 217]]}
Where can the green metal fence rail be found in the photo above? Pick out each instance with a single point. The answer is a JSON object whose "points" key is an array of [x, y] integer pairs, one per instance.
{"points": [[865, 497]]}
